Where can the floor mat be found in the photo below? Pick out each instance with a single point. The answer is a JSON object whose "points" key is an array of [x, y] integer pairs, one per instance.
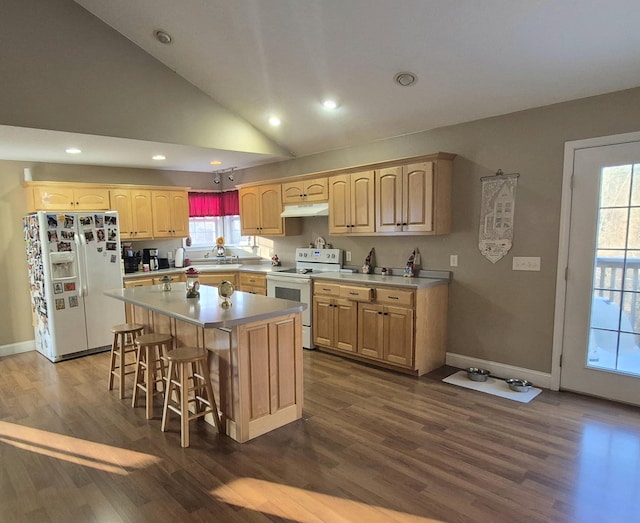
{"points": [[493, 386]]}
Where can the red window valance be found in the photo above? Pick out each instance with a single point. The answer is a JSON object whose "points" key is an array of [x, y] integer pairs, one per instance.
{"points": [[213, 204]]}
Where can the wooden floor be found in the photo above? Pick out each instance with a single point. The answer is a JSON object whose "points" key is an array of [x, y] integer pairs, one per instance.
{"points": [[373, 446]]}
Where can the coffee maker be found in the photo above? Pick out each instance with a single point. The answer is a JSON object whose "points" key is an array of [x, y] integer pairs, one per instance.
{"points": [[131, 259], [150, 256]]}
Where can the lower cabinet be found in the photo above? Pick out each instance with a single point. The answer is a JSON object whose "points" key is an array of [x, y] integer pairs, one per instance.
{"points": [[335, 323], [402, 329], [253, 283], [213, 279], [386, 333]]}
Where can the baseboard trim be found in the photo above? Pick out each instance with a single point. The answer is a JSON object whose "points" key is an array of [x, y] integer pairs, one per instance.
{"points": [[500, 370], [17, 348]]}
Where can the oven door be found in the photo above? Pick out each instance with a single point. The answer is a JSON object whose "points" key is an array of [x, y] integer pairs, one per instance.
{"points": [[296, 289]]}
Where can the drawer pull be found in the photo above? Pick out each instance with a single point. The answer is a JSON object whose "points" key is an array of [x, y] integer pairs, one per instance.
{"points": [[353, 294], [327, 290], [393, 297]]}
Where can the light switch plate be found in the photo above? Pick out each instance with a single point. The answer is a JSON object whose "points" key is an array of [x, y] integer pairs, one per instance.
{"points": [[526, 263], [453, 260], [348, 255]]}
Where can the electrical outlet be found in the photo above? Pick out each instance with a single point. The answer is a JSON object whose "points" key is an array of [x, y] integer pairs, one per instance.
{"points": [[348, 255], [453, 260], [526, 263]]}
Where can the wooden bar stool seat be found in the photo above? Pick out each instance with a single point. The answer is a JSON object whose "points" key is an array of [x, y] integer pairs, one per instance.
{"points": [[150, 369], [119, 350], [189, 373]]}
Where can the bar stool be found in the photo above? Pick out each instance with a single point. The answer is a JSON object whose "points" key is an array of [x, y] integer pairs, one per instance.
{"points": [[150, 367], [120, 349], [180, 362]]}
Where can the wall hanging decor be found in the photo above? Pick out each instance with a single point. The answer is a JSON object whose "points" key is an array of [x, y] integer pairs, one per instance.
{"points": [[497, 209]]}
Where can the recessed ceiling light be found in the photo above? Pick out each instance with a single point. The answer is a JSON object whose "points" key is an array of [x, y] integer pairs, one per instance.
{"points": [[274, 121], [405, 79], [159, 157], [216, 162], [162, 36], [330, 104], [73, 150]]}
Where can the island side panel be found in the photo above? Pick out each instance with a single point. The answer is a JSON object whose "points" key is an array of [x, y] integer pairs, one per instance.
{"points": [[270, 372]]}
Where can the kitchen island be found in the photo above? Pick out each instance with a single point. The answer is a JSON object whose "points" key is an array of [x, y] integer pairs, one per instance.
{"points": [[255, 350]]}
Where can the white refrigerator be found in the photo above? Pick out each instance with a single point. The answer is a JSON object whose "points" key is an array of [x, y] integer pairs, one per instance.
{"points": [[72, 258]]}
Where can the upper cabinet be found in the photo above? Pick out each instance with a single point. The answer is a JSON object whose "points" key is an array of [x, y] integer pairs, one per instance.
{"points": [[260, 209], [65, 197], [170, 214], [405, 200], [305, 191], [351, 203], [134, 211]]}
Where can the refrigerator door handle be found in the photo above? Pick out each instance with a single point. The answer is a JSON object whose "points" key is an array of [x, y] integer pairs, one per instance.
{"points": [[81, 245]]}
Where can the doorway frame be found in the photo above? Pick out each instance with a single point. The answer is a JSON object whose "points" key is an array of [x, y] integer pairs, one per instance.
{"points": [[570, 149]]}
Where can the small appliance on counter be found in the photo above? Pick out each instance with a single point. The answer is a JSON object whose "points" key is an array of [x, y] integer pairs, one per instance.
{"points": [[150, 257], [131, 258], [179, 257]]}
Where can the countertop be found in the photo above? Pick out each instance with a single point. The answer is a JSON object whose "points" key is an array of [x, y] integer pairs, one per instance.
{"points": [[206, 311], [262, 268], [421, 282]]}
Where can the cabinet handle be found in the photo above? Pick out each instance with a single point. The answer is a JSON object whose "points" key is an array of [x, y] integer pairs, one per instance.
{"points": [[393, 297], [327, 290], [353, 294], [379, 312], [386, 313]]}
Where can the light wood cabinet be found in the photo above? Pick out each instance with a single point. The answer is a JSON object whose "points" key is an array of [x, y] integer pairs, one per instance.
{"points": [[134, 213], [386, 333], [66, 197], [414, 198], [305, 191], [260, 209], [253, 283], [213, 279], [335, 323], [351, 203], [399, 328], [170, 214]]}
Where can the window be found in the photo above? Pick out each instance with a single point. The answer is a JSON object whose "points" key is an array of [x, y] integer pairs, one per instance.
{"points": [[204, 230]]}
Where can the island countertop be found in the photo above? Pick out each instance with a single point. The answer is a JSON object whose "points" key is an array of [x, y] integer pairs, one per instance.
{"points": [[206, 311]]}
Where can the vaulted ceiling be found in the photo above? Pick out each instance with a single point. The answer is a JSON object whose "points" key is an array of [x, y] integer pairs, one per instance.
{"points": [[472, 60]]}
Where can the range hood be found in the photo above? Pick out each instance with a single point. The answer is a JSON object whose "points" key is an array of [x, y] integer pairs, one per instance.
{"points": [[305, 209]]}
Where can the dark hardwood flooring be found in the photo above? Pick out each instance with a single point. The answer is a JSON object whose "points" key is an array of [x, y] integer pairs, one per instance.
{"points": [[373, 446]]}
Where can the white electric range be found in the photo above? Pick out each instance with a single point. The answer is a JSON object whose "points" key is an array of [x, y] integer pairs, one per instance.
{"points": [[295, 284]]}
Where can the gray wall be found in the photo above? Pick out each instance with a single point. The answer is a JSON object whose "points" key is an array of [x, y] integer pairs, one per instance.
{"points": [[495, 313]]}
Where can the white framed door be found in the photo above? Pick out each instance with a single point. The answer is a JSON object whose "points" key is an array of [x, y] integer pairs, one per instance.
{"points": [[598, 304]]}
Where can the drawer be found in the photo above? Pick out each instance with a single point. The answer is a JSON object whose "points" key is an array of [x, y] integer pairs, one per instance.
{"points": [[357, 293], [394, 296], [326, 289], [253, 280]]}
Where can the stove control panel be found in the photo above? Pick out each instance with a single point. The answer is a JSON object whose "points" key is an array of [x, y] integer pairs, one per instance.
{"points": [[319, 255]]}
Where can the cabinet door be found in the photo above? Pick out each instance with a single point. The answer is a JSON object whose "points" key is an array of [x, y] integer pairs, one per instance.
{"points": [[141, 212], [418, 198], [179, 214], [249, 211], [292, 192], [53, 198], [370, 330], [398, 336], [316, 190], [121, 202], [91, 199], [362, 203], [323, 326], [270, 210], [346, 325], [161, 213], [339, 204], [389, 206]]}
